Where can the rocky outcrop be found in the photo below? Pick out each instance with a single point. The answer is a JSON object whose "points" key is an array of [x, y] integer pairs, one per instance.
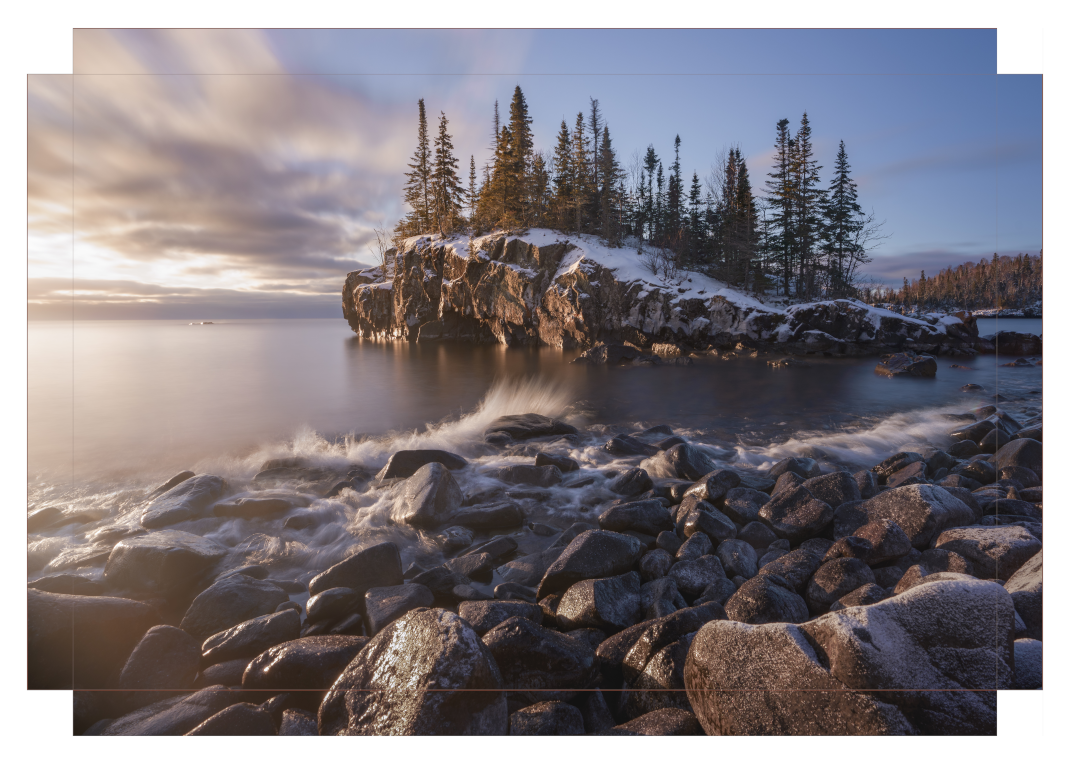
{"points": [[573, 292]]}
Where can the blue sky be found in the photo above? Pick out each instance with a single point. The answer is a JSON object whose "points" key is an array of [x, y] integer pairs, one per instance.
{"points": [[238, 173]]}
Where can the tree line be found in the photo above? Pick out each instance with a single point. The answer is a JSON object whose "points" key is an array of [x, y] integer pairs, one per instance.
{"points": [[800, 239], [998, 282]]}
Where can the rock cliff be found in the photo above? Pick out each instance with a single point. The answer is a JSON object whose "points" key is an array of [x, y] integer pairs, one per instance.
{"points": [[548, 288]]}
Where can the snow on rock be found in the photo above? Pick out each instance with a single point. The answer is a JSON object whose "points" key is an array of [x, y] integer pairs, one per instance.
{"points": [[571, 291]]}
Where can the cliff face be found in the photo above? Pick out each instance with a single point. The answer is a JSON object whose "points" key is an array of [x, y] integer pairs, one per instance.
{"points": [[571, 292]]}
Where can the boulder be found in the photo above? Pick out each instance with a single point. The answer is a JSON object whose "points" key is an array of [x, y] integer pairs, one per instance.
{"points": [[664, 721], [692, 577], [484, 517], [181, 477], [1028, 664], [80, 642], [626, 445], [696, 516], [866, 594], [796, 515], [249, 639], [427, 498], [426, 673], [660, 684], [547, 718], [403, 464], [563, 463], [737, 558], [976, 469], [887, 541], [766, 599], [1026, 587], [859, 670], [1021, 452], [698, 544], [744, 505], [912, 474], [917, 575], [866, 482], [172, 716], [796, 567], [834, 579], [539, 664], [631, 482], [648, 517], [662, 632], [906, 365], [659, 598], [719, 591], [921, 511], [1023, 475], [228, 602], [802, 467], [484, 616], [895, 463], [686, 462], [524, 427], [186, 501], [1017, 343], [996, 552], [834, 489], [67, 583], [163, 561], [609, 604], [308, 663], [238, 719], [592, 554], [385, 604], [529, 474], [714, 485], [297, 722], [332, 604], [757, 534], [378, 565], [228, 673], [166, 658], [655, 564], [252, 507]]}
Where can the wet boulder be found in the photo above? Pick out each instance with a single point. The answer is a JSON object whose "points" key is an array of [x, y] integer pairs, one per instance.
{"points": [[757, 534], [166, 658], [403, 464], [698, 544], [660, 684], [738, 558], [906, 365], [686, 462], [866, 481], [834, 579], [648, 517], [796, 515], [1023, 475], [378, 565], [1017, 343], [79, 642], [895, 463], [609, 604], [803, 467], [427, 498], [307, 663], [529, 474], [550, 717], [253, 507], [631, 482], [385, 604], [426, 673], [332, 604], [240, 719], [974, 433], [977, 469], [540, 664], [996, 552], [172, 716], [744, 505], [1028, 664], [186, 501], [484, 616], [719, 591], [663, 722], [524, 427], [714, 485], [228, 602], [692, 577], [529, 569], [1021, 452], [664, 631], [627, 445], [655, 564], [912, 474], [563, 463], [766, 599], [163, 561], [858, 670], [921, 511], [249, 639], [660, 597], [592, 554], [887, 541], [1026, 587], [697, 516], [917, 575], [505, 514], [834, 489], [297, 722], [993, 441], [796, 567]]}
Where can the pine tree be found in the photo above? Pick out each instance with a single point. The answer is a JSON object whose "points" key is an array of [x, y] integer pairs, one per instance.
{"points": [[418, 183], [610, 194], [540, 190], [696, 230], [747, 224], [659, 210], [521, 156], [843, 221], [581, 177], [447, 191], [781, 242], [596, 132], [472, 187], [562, 202], [809, 205], [674, 196], [650, 164]]}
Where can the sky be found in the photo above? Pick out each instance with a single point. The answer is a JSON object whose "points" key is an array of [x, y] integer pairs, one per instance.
{"points": [[212, 174]]}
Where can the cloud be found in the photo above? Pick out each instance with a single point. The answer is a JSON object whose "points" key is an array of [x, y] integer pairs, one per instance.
{"points": [[246, 178]]}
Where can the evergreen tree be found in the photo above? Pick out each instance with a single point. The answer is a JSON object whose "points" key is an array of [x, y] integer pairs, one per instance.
{"points": [[596, 154], [674, 196], [781, 242], [610, 196], [472, 186], [447, 191], [809, 207], [418, 183], [581, 175], [843, 221], [650, 164], [562, 202], [520, 158], [659, 210], [696, 230], [747, 224], [540, 190]]}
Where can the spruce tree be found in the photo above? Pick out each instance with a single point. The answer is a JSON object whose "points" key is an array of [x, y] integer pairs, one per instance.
{"points": [[696, 230], [809, 208], [650, 164], [674, 196], [448, 193], [521, 156], [581, 177], [747, 224], [472, 187], [562, 202], [596, 132], [610, 172], [418, 183], [781, 242], [843, 221]]}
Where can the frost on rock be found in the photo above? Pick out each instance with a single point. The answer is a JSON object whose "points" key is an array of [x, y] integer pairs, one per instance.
{"points": [[544, 287]]}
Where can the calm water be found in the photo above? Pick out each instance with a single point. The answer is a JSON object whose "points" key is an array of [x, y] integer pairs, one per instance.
{"points": [[117, 407]]}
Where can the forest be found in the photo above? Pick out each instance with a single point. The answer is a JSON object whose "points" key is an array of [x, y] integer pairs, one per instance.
{"points": [[795, 237], [999, 282]]}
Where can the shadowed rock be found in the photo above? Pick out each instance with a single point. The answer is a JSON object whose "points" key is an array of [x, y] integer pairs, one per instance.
{"points": [[540, 664], [766, 599], [308, 663], [994, 552], [525, 426], [378, 565], [403, 464], [173, 716], [383, 605], [243, 719], [427, 498], [186, 501], [609, 604], [547, 718], [1026, 587], [162, 561], [249, 639], [228, 602], [921, 511], [796, 515], [592, 554], [166, 658]]}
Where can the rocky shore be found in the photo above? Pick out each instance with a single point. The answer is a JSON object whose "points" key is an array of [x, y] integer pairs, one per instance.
{"points": [[802, 599], [547, 288]]}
